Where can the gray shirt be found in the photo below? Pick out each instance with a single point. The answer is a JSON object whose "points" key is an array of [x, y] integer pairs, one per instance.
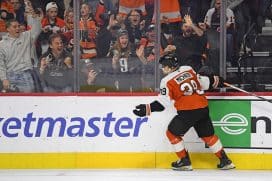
{"points": [[231, 4], [15, 53], [209, 14]]}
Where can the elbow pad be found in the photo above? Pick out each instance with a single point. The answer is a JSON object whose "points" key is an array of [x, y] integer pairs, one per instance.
{"points": [[156, 106]]}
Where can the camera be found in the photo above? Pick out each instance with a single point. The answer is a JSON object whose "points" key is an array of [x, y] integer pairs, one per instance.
{"points": [[87, 65], [33, 4], [12, 88], [7, 15], [149, 50], [49, 58]]}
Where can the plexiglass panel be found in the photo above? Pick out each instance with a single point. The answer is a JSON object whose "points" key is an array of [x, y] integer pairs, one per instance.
{"points": [[114, 45]]}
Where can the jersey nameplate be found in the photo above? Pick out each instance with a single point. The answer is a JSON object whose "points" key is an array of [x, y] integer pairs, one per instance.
{"points": [[182, 77]]}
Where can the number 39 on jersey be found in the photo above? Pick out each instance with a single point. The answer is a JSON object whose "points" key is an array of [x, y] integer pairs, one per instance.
{"points": [[188, 83]]}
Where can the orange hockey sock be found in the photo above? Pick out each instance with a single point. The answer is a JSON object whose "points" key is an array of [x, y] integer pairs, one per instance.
{"points": [[214, 144], [178, 144]]}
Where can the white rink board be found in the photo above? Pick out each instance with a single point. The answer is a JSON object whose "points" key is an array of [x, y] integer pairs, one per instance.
{"points": [[262, 110], [151, 133], [134, 175], [149, 136]]}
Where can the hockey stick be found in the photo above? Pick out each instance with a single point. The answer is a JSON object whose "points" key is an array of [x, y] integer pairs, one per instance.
{"points": [[250, 93]]}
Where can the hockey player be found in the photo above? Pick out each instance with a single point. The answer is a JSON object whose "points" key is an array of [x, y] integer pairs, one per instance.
{"points": [[186, 89]]}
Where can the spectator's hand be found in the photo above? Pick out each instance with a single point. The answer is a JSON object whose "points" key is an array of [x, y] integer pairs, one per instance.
{"points": [[91, 77], [112, 22], [188, 20], [170, 48], [140, 54], [43, 65], [165, 20], [38, 14], [46, 29], [28, 7], [202, 26], [142, 25], [140, 51], [115, 59], [6, 84], [68, 62], [229, 24], [140, 110]]}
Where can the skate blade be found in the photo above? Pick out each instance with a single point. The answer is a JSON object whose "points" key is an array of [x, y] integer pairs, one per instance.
{"points": [[228, 167], [183, 168]]}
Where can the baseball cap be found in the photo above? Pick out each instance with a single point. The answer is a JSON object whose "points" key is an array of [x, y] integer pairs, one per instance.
{"points": [[122, 32], [51, 5]]}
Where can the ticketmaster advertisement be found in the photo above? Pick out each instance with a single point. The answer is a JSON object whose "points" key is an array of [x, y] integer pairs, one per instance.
{"points": [[98, 124]]}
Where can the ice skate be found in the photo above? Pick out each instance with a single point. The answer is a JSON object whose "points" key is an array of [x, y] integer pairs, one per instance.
{"points": [[183, 164], [225, 163]]}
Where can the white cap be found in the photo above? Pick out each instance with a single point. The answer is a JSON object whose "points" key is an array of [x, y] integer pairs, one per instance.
{"points": [[51, 5]]}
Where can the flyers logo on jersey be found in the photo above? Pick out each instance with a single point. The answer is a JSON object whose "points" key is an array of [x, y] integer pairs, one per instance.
{"points": [[182, 77]]}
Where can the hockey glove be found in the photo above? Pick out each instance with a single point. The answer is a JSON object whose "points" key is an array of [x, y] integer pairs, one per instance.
{"points": [[216, 81], [142, 110], [146, 109]]}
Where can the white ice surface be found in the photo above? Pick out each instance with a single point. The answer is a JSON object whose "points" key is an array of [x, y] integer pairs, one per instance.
{"points": [[134, 175]]}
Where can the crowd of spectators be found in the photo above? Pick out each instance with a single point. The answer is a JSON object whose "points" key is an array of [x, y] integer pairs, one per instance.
{"points": [[117, 41]]}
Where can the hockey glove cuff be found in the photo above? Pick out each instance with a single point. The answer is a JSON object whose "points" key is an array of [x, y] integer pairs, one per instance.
{"points": [[156, 106], [146, 109], [142, 110], [216, 81]]}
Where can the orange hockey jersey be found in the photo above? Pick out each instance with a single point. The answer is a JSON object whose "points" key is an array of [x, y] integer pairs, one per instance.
{"points": [[185, 89], [126, 6]]}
